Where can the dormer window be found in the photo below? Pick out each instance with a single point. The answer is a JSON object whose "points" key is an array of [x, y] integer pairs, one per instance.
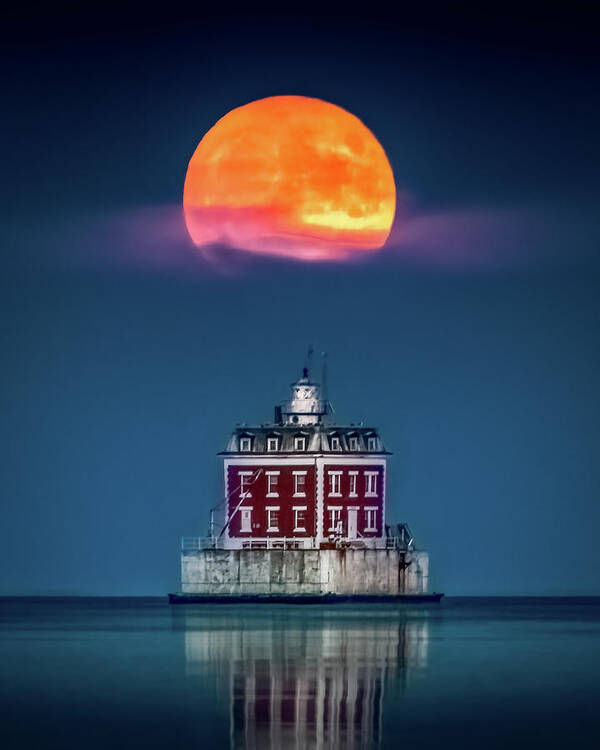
{"points": [[372, 443], [272, 443], [300, 443], [334, 442], [245, 444], [353, 443]]}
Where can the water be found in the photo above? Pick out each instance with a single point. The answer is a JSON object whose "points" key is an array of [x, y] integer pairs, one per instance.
{"points": [[470, 673]]}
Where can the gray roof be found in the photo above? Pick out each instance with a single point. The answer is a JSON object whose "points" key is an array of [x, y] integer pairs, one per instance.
{"points": [[318, 438]]}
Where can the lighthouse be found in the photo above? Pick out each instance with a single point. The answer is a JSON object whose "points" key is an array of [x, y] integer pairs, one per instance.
{"points": [[303, 514], [303, 481]]}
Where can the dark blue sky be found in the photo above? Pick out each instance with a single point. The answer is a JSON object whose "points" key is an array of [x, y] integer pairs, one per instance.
{"points": [[474, 344]]}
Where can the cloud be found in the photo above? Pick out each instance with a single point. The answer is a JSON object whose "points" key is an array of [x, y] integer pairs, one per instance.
{"points": [[477, 238]]}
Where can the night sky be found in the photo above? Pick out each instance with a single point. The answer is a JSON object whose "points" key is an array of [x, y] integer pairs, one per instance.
{"points": [[472, 340]]}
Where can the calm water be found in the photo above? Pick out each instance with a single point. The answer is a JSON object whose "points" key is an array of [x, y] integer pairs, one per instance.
{"points": [[472, 673]]}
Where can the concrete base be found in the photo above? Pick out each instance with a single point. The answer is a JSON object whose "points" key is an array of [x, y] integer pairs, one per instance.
{"points": [[304, 573], [302, 599]]}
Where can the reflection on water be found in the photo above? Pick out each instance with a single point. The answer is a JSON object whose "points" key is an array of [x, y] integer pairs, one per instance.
{"points": [[305, 682], [136, 673]]}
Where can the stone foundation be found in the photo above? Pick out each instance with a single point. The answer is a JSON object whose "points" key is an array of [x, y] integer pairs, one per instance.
{"points": [[304, 572]]}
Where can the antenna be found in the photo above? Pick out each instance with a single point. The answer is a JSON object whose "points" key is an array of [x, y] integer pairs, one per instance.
{"points": [[324, 379], [309, 355]]}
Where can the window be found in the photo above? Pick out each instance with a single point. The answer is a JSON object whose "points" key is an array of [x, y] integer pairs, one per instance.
{"points": [[353, 443], [272, 483], [272, 517], [335, 443], [300, 443], [334, 483], [299, 483], [246, 519], [370, 519], [299, 517], [245, 444], [245, 482], [372, 443], [272, 443], [335, 513], [371, 484], [352, 475]]}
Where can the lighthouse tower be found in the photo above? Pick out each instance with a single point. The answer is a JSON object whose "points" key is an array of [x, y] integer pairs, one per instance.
{"points": [[303, 481]]}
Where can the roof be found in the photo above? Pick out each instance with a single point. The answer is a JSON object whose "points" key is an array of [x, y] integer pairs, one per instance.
{"points": [[318, 437]]}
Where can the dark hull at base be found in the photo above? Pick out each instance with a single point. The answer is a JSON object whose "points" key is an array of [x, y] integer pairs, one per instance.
{"points": [[303, 599]]}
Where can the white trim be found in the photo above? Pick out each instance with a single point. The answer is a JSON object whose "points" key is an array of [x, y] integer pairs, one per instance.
{"points": [[353, 507], [241, 510], [335, 517], [297, 439], [263, 459], [353, 483], [245, 440], [270, 491], [319, 498], [297, 483], [370, 485], [334, 480], [368, 517], [244, 492], [272, 509], [270, 440], [268, 473], [302, 509]]}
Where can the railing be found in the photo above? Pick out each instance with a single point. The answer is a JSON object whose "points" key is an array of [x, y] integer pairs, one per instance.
{"points": [[196, 544]]}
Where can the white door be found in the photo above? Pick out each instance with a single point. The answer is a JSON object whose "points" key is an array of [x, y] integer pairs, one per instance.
{"points": [[352, 516], [246, 524]]}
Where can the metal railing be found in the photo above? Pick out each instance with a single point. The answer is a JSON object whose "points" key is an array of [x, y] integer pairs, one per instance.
{"points": [[196, 544]]}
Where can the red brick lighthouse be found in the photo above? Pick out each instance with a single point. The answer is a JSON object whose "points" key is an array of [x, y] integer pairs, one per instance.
{"points": [[303, 481], [302, 516]]}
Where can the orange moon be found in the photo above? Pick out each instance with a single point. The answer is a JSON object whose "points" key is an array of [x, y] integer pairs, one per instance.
{"points": [[291, 176]]}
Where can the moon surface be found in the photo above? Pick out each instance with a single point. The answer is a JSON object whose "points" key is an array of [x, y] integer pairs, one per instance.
{"points": [[290, 176]]}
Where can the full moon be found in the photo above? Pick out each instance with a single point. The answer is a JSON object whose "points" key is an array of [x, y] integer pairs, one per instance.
{"points": [[291, 176]]}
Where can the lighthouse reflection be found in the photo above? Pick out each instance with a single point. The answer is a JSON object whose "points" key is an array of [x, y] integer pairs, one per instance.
{"points": [[300, 679]]}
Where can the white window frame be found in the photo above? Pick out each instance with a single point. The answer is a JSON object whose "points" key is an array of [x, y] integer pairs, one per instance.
{"points": [[335, 517], [244, 493], [371, 516], [300, 443], [353, 481], [245, 444], [353, 444], [270, 441], [272, 482], [372, 443], [335, 481], [297, 483], [299, 509], [249, 508], [272, 509], [335, 443], [371, 483]]}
